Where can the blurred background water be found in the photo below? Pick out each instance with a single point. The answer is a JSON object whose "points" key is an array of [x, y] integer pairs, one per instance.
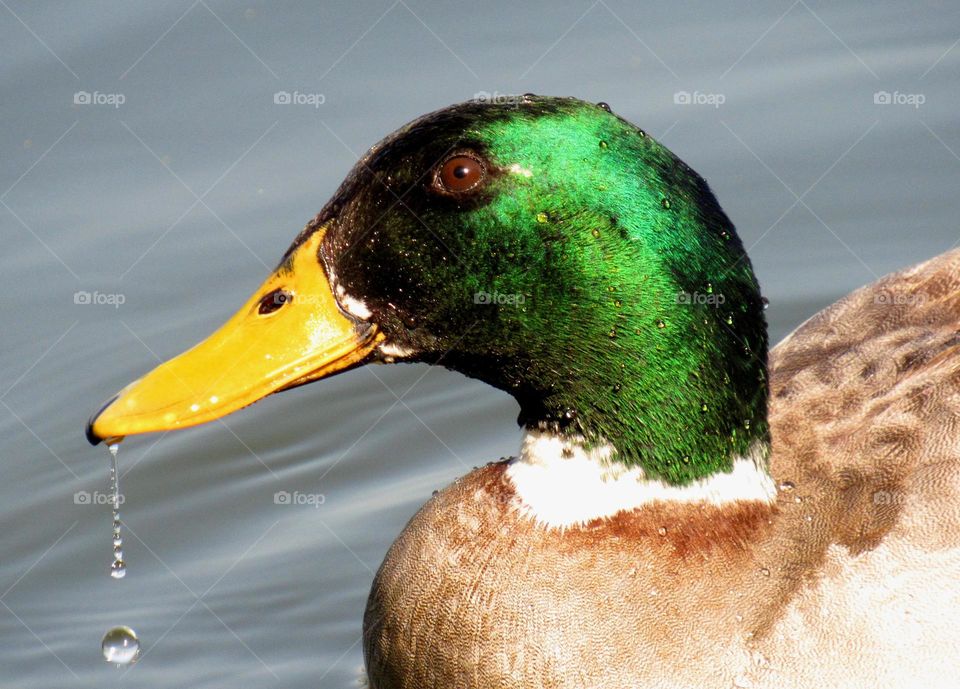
{"points": [[178, 181]]}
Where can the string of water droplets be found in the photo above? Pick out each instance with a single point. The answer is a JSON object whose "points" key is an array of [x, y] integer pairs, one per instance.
{"points": [[120, 644], [119, 568]]}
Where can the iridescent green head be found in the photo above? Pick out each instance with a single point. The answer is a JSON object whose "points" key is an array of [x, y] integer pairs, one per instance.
{"points": [[554, 250]]}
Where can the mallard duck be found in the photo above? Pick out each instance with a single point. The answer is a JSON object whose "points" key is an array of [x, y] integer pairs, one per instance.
{"points": [[683, 511]]}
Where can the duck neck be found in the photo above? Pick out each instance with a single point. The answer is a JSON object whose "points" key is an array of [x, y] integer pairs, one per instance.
{"points": [[678, 392], [562, 482]]}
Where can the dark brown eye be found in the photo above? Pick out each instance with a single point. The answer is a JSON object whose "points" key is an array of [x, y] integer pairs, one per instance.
{"points": [[273, 301], [460, 173]]}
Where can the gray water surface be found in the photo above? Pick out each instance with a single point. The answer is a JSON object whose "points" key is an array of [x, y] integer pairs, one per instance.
{"points": [[182, 198]]}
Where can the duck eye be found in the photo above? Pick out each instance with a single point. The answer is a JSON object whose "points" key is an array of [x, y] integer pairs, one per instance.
{"points": [[272, 301], [460, 173]]}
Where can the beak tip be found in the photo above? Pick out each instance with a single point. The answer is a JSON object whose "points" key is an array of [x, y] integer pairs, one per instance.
{"points": [[92, 437]]}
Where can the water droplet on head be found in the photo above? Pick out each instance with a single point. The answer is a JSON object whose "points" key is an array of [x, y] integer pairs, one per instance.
{"points": [[665, 203], [595, 232], [603, 144], [764, 571], [661, 324], [729, 320], [704, 407], [120, 645], [765, 302], [603, 106], [542, 217], [787, 486], [662, 531]]}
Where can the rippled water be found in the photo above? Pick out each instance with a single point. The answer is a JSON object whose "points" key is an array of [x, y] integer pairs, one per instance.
{"points": [[179, 200]]}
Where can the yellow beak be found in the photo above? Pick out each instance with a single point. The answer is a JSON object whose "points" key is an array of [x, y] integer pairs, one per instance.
{"points": [[290, 332]]}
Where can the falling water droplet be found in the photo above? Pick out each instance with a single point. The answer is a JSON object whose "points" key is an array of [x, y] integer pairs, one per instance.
{"points": [[119, 568], [729, 320], [121, 646]]}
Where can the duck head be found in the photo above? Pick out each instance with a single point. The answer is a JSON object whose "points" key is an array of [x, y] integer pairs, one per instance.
{"points": [[545, 246]]}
